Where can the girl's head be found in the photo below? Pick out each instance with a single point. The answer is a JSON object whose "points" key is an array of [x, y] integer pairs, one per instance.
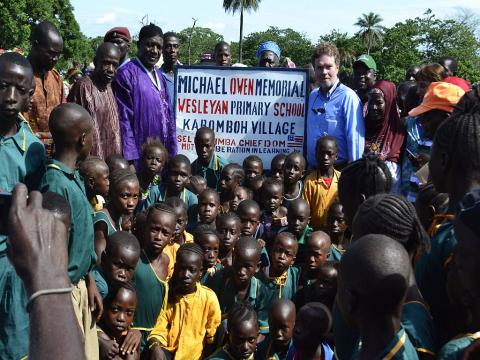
{"points": [[243, 330], [159, 228], [208, 206], [180, 209], [154, 157], [393, 216], [336, 225], [210, 243], [430, 203], [271, 194], [360, 180], [95, 173], [228, 230], [119, 309], [124, 190], [231, 176], [239, 194]]}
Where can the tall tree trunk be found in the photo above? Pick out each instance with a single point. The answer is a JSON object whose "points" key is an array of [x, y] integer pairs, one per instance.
{"points": [[240, 43]]}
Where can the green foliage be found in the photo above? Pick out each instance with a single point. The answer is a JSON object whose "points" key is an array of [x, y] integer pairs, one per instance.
{"points": [[293, 44], [203, 39], [371, 32], [348, 47]]}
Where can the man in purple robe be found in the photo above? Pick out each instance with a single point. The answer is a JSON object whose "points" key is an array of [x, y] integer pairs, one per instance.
{"points": [[144, 106]]}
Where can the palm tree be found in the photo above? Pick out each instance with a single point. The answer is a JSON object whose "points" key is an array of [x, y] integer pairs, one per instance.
{"points": [[240, 5], [371, 32]]}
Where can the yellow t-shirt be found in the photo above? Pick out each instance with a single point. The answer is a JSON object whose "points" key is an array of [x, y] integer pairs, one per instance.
{"points": [[171, 251], [319, 196], [186, 325]]}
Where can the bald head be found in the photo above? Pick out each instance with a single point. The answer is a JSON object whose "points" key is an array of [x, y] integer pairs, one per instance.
{"points": [[319, 239]]}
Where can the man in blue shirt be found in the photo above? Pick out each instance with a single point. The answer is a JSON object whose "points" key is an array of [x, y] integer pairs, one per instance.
{"points": [[334, 109], [170, 51]]}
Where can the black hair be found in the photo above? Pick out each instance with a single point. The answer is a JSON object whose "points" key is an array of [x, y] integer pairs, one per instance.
{"points": [[246, 243], [287, 235], [190, 247], [327, 138], [112, 293], [252, 158], [221, 44], [149, 31], [334, 204], [460, 138], [170, 34], [122, 239], [248, 203], [240, 312], [205, 130], [56, 203], [209, 191], [323, 315], [428, 195], [453, 64], [154, 143], [247, 190], [113, 158], [175, 202], [16, 59], [88, 166], [179, 159], [297, 153], [271, 182], [161, 206], [227, 217], [278, 157], [120, 176], [200, 232], [237, 172], [394, 216], [41, 30], [470, 102]]}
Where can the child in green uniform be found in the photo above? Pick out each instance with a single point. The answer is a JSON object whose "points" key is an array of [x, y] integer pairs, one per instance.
{"points": [[253, 167], [95, 173], [154, 158], [242, 334], [239, 194], [231, 176], [274, 215], [208, 207], [153, 267], [228, 230], [178, 176], [209, 242], [116, 322], [71, 127], [276, 166], [336, 227], [281, 278], [298, 218], [122, 202], [22, 156], [240, 284], [293, 173], [373, 280], [208, 164], [278, 344]]}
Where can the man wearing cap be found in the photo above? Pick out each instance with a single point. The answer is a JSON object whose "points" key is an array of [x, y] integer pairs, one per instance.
{"points": [[170, 52], [437, 105], [268, 54], [364, 77], [334, 109], [120, 36]]}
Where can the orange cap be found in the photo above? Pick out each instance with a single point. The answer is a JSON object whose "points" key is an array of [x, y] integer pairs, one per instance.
{"points": [[439, 96]]}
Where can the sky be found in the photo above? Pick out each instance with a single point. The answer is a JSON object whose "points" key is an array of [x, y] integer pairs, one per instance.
{"points": [[311, 17]]}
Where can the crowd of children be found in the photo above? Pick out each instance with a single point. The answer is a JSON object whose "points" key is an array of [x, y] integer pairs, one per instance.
{"points": [[219, 260]]}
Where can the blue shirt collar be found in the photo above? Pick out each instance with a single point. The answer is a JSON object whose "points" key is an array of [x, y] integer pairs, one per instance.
{"points": [[331, 90]]}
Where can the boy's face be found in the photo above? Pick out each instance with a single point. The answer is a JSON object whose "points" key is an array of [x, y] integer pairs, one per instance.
{"points": [[153, 160], [316, 252], [243, 339], [281, 322], [326, 154], [294, 169], [276, 171], [283, 253], [101, 182], [187, 271], [227, 183], [181, 224], [272, 196], [125, 199], [159, 230], [325, 287], [208, 207], [178, 176], [298, 218], [239, 194], [119, 265], [209, 244], [252, 169], [119, 314], [249, 219], [245, 265], [15, 90], [228, 231], [336, 224], [204, 146]]}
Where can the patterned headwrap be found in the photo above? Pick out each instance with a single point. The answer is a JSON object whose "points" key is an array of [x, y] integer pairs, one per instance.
{"points": [[268, 46]]}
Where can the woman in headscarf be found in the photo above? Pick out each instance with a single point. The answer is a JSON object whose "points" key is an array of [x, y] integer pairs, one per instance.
{"points": [[384, 132]]}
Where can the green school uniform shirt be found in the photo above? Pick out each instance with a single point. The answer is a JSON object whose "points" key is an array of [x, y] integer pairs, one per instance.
{"points": [[159, 193], [59, 179], [208, 275], [418, 324], [101, 216], [257, 296], [400, 348], [151, 295], [300, 258], [100, 281], [211, 173], [221, 354], [266, 351], [282, 287], [22, 158], [454, 349], [335, 253]]}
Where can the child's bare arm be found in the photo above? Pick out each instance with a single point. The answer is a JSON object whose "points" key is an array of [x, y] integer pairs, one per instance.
{"points": [[131, 343], [108, 348]]}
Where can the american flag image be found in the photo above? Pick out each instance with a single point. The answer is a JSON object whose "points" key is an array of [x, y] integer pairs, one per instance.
{"points": [[295, 141]]}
